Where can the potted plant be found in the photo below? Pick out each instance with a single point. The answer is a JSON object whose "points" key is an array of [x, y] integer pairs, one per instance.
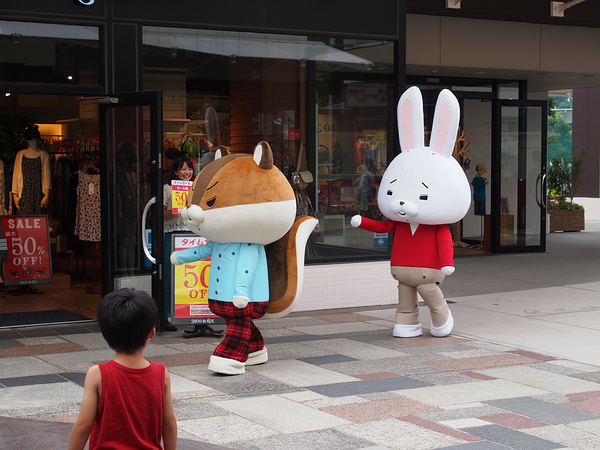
{"points": [[565, 176]]}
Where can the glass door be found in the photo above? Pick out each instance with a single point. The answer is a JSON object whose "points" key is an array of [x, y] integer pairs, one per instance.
{"points": [[131, 145], [519, 176]]}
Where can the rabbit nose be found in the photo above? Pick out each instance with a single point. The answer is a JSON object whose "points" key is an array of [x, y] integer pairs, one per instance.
{"points": [[401, 203]]}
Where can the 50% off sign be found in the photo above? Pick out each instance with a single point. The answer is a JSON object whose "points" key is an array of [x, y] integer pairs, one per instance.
{"points": [[190, 284], [27, 239]]}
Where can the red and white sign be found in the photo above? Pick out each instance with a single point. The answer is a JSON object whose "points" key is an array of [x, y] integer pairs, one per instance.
{"points": [[27, 239]]}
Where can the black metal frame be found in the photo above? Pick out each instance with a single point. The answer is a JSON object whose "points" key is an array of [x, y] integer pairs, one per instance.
{"points": [[153, 100], [521, 246]]}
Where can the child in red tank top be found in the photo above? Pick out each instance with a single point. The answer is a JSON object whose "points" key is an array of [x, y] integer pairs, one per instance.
{"points": [[127, 402]]}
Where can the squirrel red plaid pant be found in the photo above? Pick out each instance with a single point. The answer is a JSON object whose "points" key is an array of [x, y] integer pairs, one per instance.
{"points": [[241, 337]]}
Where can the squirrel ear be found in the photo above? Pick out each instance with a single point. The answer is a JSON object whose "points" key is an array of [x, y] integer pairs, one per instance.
{"points": [[263, 155], [445, 124], [410, 119], [221, 151]]}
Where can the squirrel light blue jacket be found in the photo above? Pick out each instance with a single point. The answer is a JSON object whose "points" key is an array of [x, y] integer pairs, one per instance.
{"points": [[235, 269]]}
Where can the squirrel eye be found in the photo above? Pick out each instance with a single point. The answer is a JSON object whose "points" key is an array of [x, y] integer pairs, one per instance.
{"points": [[423, 197], [211, 202], [389, 192]]}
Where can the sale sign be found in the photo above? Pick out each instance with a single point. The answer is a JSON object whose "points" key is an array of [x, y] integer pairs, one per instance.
{"points": [[190, 286], [180, 190], [27, 241]]}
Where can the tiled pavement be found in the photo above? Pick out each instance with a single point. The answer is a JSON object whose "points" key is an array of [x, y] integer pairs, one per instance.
{"points": [[335, 380], [521, 370]]}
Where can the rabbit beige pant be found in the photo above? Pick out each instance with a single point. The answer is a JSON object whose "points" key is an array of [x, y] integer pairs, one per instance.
{"points": [[426, 282]]}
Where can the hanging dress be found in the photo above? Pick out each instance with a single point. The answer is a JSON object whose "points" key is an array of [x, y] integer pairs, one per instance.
{"points": [[87, 218], [32, 194]]}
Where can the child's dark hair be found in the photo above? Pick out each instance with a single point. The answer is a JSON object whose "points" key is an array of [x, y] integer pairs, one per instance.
{"points": [[178, 164], [126, 318]]}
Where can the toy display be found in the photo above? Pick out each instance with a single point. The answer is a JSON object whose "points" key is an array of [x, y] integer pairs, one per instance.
{"points": [[423, 189], [246, 208]]}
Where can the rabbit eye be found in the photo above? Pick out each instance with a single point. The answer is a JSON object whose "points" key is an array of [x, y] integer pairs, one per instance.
{"points": [[424, 197], [390, 192]]}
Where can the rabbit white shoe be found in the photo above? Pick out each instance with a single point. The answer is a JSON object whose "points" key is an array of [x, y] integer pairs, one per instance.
{"points": [[407, 330], [226, 366], [445, 329], [257, 357]]}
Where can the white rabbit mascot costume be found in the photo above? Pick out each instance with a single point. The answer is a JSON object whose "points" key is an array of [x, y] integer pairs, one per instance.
{"points": [[422, 190]]}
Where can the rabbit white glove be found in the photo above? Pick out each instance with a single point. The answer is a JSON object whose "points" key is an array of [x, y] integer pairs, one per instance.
{"points": [[447, 270], [239, 301], [356, 221]]}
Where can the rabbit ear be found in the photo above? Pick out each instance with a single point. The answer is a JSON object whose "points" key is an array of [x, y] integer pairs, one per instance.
{"points": [[410, 119], [445, 124]]}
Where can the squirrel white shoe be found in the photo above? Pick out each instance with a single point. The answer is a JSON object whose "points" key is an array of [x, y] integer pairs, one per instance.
{"points": [[445, 329], [258, 357], [226, 366], [407, 330]]}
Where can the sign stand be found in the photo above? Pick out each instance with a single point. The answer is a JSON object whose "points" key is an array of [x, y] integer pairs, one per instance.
{"points": [[202, 330]]}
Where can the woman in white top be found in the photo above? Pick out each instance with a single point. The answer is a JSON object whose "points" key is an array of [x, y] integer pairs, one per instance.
{"points": [[31, 182], [182, 169]]}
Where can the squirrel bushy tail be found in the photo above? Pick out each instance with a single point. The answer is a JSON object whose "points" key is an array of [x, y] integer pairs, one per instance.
{"points": [[285, 259]]}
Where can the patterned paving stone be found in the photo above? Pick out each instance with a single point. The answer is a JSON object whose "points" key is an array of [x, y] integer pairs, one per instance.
{"points": [[329, 439], [343, 317], [399, 434], [182, 359], [514, 421], [511, 438], [578, 396], [441, 428], [48, 349], [589, 376], [378, 410], [544, 411], [480, 363], [327, 359], [477, 375], [591, 406], [533, 355], [368, 386], [31, 380]]}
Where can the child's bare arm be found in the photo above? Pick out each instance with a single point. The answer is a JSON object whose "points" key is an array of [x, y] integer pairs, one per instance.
{"points": [[87, 413], [169, 431]]}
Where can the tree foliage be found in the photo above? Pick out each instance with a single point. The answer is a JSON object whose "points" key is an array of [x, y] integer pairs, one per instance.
{"points": [[565, 176]]}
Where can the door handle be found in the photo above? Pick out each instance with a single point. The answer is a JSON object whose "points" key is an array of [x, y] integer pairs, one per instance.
{"points": [[539, 193], [151, 258]]}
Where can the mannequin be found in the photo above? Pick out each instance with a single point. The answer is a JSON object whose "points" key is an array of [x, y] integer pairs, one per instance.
{"points": [[31, 182], [479, 183]]}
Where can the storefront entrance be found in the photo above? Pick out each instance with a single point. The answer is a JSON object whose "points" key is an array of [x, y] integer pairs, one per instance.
{"points": [[131, 137], [506, 153]]}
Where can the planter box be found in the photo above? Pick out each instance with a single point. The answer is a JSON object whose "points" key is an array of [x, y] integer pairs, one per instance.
{"points": [[565, 220]]}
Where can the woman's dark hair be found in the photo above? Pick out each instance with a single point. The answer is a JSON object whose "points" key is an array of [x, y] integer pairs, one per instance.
{"points": [[32, 132], [126, 318], [178, 164]]}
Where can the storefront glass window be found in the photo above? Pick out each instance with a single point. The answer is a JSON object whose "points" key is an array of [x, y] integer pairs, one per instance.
{"points": [[49, 53], [327, 98]]}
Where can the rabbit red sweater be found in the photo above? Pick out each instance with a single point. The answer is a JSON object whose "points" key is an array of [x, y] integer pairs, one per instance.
{"points": [[430, 247]]}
